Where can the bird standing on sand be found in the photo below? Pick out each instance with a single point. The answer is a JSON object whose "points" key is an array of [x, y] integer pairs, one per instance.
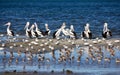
{"points": [[67, 32], [9, 32], [32, 31], [27, 30], [37, 31], [56, 34], [106, 32], [73, 32], [47, 32], [87, 33]]}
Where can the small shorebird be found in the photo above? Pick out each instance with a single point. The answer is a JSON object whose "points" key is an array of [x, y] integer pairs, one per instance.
{"points": [[106, 59], [117, 60]]}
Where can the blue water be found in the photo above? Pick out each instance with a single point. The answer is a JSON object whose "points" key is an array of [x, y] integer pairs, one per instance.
{"points": [[93, 67], [55, 13]]}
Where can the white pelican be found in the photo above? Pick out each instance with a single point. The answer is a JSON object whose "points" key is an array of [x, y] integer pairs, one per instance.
{"points": [[28, 32], [32, 31], [56, 34], [9, 32], [72, 31], [65, 31], [106, 32], [87, 33], [69, 32], [37, 31]]}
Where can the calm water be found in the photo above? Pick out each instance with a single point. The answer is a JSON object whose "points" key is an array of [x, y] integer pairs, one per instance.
{"points": [[55, 13], [92, 67]]}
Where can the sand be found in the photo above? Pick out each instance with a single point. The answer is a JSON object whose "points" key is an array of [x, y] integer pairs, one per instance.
{"points": [[47, 45]]}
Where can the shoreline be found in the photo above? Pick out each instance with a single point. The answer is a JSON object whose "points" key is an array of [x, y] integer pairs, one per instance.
{"points": [[64, 72], [47, 45]]}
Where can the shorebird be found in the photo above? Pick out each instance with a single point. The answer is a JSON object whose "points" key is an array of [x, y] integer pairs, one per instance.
{"points": [[16, 60], [5, 53], [87, 33], [106, 59], [79, 58], [39, 58], [117, 60], [9, 32], [106, 32], [87, 59]]}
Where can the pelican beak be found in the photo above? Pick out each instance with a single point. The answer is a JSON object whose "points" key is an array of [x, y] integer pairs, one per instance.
{"points": [[7, 23], [35, 23], [25, 27], [46, 25], [27, 24]]}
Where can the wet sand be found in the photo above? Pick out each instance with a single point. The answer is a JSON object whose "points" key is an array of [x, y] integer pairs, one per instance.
{"points": [[46, 45]]}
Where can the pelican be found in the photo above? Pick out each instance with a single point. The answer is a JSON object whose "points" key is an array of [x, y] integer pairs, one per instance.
{"points": [[56, 34], [9, 32], [37, 31], [68, 32], [87, 33], [106, 32], [32, 31], [72, 31], [28, 32], [65, 31]]}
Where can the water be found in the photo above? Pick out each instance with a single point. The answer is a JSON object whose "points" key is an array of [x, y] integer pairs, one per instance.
{"points": [[91, 66], [55, 13]]}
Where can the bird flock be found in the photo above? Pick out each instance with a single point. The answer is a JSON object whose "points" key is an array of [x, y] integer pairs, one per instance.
{"points": [[34, 32], [65, 57]]}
